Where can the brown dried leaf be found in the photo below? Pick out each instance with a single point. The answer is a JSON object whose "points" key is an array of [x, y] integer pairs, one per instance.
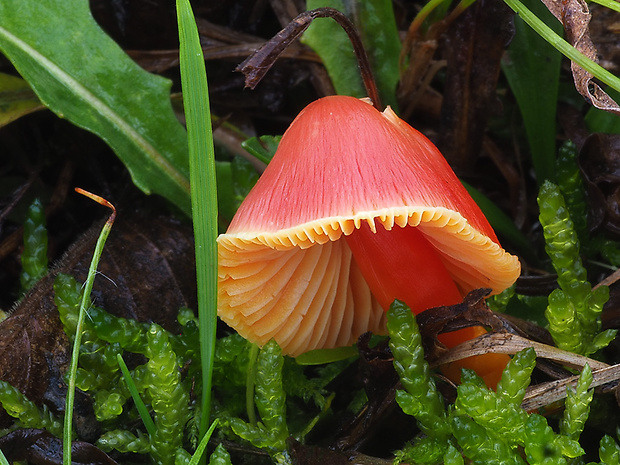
{"points": [[547, 393], [147, 273], [473, 311], [505, 343], [575, 17], [474, 48], [544, 393], [38, 447]]}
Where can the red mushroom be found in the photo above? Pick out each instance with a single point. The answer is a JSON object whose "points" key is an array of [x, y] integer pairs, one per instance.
{"points": [[411, 232]]}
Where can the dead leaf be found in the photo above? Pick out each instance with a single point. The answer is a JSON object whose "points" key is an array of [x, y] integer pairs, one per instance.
{"points": [[506, 343], [473, 311], [575, 17], [475, 44], [548, 393], [38, 447], [146, 273]]}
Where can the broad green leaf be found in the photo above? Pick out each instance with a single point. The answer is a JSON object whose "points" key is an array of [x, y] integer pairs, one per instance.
{"points": [[16, 99], [532, 68], [82, 75], [375, 23]]}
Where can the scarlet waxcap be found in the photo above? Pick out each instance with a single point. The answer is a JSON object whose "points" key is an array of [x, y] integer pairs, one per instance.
{"points": [[285, 273]]}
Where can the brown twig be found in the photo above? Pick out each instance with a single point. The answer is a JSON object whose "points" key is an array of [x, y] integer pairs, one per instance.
{"points": [[256, 65]]}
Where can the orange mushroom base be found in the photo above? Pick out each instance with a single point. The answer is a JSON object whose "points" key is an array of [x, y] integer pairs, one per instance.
{"points": [[402, 264]]}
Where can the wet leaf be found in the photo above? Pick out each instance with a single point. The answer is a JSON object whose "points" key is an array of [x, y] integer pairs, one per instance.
{"points": [[146, 274], [302, 454], [575, 17], [39, 447], [473, 311], [475, 46]]}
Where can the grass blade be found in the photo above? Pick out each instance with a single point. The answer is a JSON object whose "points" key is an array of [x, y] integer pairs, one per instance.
{"points": [[564, 47], [144, 413], [203, 191], [88, 287]]}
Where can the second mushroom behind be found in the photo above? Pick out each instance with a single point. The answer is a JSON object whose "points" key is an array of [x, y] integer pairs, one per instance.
{"points": [[356, 209]]}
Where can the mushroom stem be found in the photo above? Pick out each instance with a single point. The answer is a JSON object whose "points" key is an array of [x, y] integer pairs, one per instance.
{"points": [[402, 264]]}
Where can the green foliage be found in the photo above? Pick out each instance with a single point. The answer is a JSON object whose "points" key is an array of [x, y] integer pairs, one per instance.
{"points": [[17, 99], [67, 292], [481, 446], [263, 147], [571, 186], [574, 309], [112, 96], [271, 432], [609, 451], [374, 19], [124, 441], [235, 180], [420, 397], [220, 456], [493, 427], [169, 398], [516, 377], [34, 255], [484, 426], [230, 369], [570, 182], [159, 381], [498, 415], [297, 384], [532, 68], [28, 415], [563, 46], [544, 446], [203, 183], [577, 405]]}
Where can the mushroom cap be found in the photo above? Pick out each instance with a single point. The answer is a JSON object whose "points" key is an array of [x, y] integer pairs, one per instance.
{"points": [[284, 273]]}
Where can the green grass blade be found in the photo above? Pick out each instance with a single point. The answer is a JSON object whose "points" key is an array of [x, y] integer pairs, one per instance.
{"points": [[142, 410], [202, 445], [203, 191], [564, 47], [88, 287]]}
